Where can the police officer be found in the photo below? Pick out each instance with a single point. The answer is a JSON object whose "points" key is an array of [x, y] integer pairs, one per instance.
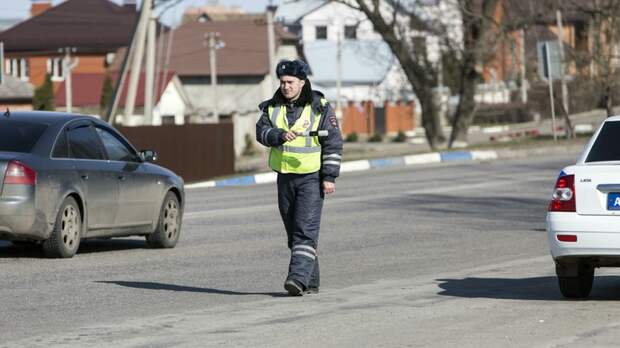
{"points": [[307, 166]]}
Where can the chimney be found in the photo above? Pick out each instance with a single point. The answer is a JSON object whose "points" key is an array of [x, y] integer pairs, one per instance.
{"points": [[129, 5], [39, 6]]}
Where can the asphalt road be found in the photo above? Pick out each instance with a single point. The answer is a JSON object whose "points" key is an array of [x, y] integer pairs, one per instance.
{"points": [[445, 255]]}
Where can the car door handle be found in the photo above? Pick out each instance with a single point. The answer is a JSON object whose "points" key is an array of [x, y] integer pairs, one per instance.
{"points": [[121, 177], [84, 176]]}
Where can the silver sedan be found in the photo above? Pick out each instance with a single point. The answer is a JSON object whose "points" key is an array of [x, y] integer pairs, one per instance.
{"points": [[64, 178]]}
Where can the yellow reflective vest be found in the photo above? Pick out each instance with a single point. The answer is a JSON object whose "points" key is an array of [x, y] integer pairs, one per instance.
{"points": [[302, 155]]}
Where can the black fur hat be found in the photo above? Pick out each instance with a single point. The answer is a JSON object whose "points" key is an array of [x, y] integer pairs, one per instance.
{"points": [[297, 68]]}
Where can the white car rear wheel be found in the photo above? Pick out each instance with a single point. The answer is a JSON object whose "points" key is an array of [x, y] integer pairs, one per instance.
{"points": [[578, 286]]}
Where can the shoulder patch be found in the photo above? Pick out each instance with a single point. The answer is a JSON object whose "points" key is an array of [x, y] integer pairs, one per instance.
{"points": [[333, 120]]}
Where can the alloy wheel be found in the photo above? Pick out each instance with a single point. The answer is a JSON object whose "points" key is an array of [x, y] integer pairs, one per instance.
{"points": [[171, 220], [70, 227]]}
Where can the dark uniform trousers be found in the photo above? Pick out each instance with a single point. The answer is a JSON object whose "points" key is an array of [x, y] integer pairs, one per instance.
{"points": [[300, 199]]}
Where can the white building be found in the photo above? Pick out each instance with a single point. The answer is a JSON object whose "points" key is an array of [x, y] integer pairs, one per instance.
{"points": [[368, 69]]}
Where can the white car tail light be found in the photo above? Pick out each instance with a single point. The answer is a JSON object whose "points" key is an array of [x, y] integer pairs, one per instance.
{"points": [[563, 198], [19, 173]]}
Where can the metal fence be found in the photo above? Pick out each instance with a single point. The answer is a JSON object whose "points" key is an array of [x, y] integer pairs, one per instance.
{"points": [[195, 152], [386, 118]]}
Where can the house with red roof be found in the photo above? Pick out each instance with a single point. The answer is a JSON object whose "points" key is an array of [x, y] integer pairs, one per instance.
{"points": [[93, 29], [243, 79]]}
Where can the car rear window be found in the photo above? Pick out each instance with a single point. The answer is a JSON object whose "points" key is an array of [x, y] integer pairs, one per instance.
{"points": [[605, 146], [19, 136]]}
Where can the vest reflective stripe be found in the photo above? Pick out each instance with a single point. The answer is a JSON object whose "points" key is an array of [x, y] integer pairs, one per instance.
{"points": [[312, 121], [274, 114], [295, 149], [303, 154]]}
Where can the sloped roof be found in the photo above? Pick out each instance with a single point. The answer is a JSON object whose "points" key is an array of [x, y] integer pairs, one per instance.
{"points": [[15, 89], [293, 10], [89, 25], [244, 52], [363, 61], [87, 90], [543, 11], [6, 23]]}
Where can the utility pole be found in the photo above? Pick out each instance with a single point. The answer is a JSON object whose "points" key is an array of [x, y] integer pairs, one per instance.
{"points": [[550, 81], [150, 71], [166, 61], [271, 41], [522, 68], [338, 75], [68, 64], [214, 43], [111, 112], [1, 62], [136, 66], [558, 14], [159, 59]]}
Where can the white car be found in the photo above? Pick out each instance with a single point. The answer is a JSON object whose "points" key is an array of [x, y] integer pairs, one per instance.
{"points": [[583, 219]]}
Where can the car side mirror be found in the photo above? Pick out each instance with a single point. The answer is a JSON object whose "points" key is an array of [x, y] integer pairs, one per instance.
{"points": [[148, 155]]}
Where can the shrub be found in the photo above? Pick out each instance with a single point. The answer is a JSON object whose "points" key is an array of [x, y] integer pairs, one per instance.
{"points": [[400, 137], [351, 138], [44, 96], [376, 138], [249, 149], [106, 93]]}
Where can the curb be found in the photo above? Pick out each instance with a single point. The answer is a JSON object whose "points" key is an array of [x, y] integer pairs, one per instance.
{"points": [[360, 165]]}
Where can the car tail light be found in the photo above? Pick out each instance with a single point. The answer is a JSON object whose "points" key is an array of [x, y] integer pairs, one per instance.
{"points": [[19, 173], [563, 198]]}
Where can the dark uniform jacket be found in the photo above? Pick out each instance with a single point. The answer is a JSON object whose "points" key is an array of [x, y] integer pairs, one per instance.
{"points": [[331, 153]]}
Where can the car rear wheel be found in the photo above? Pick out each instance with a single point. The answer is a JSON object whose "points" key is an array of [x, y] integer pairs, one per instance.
{"points": [[65, 238], [168, 228], [578, 286]]}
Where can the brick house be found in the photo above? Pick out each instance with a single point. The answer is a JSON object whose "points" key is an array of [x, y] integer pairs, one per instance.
{"points": [[94, 28]]}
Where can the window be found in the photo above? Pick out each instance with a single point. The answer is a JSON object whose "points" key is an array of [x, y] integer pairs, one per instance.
{"points": [[350, 32], [167, 120], [54, 68], [61, 149], [83, 143], [116, 149], [605, 148], [321, 32], [17, 67], [19, 136]]}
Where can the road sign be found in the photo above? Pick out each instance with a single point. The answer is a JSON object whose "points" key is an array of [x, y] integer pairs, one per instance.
{"points": [[549, 59]]}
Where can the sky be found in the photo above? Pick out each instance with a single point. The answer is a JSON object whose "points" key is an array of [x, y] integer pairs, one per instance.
{"points": [[21, 8]]}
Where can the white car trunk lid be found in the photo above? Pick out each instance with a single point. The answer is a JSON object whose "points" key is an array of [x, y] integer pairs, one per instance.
{"points": [[597, 189]]}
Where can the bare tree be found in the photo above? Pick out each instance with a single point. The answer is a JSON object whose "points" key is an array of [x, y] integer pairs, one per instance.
{"points": [[393, 21], [480, 31], [602, 55], [480, 35]]}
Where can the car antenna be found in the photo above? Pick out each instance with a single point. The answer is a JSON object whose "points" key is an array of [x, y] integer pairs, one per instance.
{"points": [[7, 113]]}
